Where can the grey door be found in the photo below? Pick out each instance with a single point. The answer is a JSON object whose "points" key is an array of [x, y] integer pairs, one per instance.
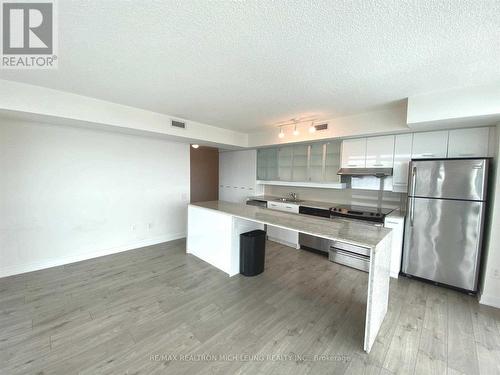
{"points": [[443, 241], [452, 179]]}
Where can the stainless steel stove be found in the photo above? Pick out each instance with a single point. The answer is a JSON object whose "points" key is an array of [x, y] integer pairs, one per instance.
{"points": [[371, 214], [353, 256]]}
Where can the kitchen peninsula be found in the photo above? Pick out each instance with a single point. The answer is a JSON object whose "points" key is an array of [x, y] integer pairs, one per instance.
{"points": [[213, 236]]}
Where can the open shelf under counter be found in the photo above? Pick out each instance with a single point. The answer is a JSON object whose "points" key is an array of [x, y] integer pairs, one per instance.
{"points": [[323, 185]]}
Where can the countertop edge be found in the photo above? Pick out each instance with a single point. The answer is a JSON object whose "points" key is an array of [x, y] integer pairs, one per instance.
{"points": [[368, 246]]}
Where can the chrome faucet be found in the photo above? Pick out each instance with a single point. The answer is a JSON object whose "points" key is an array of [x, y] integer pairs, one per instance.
{"points": [[293, 196]]}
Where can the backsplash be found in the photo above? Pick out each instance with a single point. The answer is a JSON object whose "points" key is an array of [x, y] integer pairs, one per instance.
{"points": [[342, 196]]}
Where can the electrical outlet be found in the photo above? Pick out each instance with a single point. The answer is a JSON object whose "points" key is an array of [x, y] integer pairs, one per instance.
{"points": [[184, 197], [496, 273], [134, 226]]}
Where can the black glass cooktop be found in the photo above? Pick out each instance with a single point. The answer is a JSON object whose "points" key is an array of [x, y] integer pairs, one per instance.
{"points": [[360, 212]]}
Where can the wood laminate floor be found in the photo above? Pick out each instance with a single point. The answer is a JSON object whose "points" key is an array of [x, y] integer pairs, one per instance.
{"points": [[158, 310]]}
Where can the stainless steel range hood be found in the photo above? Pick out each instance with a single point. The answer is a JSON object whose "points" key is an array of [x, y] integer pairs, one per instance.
{"points": [[377, 172]]}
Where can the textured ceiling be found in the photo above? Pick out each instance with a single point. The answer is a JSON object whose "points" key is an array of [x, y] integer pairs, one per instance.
{"points": [[248, 64]]}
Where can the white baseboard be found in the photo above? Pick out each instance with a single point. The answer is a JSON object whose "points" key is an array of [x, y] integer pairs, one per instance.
{"points": [[490, 300], [54, 262]]}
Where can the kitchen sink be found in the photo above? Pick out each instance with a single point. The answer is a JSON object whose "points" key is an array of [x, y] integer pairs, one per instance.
{"points": [[289, 200]]}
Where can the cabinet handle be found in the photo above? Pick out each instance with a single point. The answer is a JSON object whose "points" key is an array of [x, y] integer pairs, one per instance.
{"points": [[465, 154], [378, 165], [352, 165], [429, 155]]}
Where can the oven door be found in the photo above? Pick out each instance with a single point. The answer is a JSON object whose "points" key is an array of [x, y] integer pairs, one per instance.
{"points": [[357, 257]]}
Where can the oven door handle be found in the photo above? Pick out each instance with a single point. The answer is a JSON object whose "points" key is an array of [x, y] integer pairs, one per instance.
{"points": [[354, 249], [352, 255]]}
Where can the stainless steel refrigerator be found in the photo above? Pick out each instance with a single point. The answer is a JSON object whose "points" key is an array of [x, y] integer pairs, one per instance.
{"points": [[444, 226]]}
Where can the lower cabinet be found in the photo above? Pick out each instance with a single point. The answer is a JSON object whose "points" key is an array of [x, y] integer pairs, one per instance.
{"points": [[397, 224], [284, 236]]}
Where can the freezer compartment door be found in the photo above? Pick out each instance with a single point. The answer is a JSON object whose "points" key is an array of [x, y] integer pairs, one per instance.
{"points": [[443, 241], [463, 179]]}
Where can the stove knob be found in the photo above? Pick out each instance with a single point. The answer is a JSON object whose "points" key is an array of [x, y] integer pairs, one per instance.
{"points": [[371, 214], [377, 214]]}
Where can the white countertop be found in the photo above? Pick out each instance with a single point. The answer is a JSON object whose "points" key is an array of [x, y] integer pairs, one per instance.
{"points": [[333, 229]]}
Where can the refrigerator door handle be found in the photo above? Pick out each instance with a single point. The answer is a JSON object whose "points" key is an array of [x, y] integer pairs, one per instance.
{"points": [[412, 203], [412, 210], [413, 179]]}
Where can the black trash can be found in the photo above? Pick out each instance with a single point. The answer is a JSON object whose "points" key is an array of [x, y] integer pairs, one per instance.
{"points": [[252, 252]]}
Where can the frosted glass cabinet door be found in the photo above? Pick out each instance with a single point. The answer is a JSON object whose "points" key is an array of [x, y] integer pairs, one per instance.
{"points": [[262, 164], [354, 153], [272, 164], [332, 161], [285, 155], [430, 145], [380, 151], [316, 162], [468, 143], [267, 164], [300, 158]]}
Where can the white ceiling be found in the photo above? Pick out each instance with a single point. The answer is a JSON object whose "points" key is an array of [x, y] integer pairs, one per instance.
{"points": [[247, 64]]}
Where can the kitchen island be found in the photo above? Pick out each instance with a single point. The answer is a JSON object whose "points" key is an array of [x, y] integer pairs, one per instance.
{"points": [[213, 236]]}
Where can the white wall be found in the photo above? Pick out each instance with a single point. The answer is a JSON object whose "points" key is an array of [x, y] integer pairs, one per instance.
{"points": [[463, 107], [68, 194], [390, 120], [490, 293], [70, 109]]}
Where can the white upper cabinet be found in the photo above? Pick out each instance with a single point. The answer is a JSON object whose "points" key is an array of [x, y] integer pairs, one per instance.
{"points": [[467, 143], [430, 145], [319, 162], [354, 153], [402, 157], [380, 152]]}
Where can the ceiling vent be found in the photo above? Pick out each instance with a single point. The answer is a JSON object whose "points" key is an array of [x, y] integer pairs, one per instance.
{"points": [[178, 124], [320, 127]]}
